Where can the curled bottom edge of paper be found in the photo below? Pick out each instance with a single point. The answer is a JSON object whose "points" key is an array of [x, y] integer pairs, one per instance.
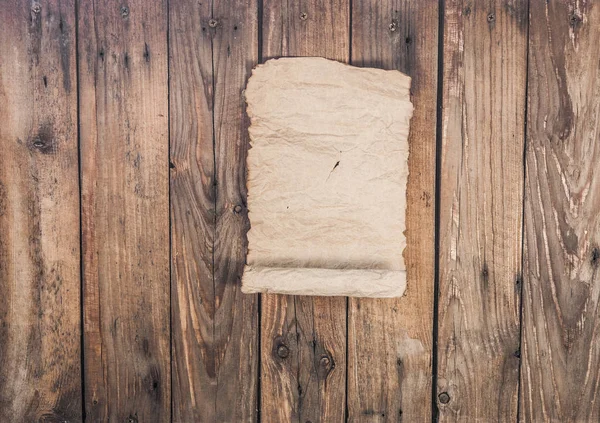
{"points": [[370, 283]]}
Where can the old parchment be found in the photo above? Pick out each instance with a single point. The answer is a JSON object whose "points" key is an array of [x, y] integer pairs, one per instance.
{"points": [[327, 173]]}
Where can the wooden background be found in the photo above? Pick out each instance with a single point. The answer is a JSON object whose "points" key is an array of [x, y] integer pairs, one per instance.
{"points": [[122, 216]]}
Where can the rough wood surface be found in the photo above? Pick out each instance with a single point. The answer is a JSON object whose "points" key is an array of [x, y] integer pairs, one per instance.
{"points": [[40, 368], [125, 209], [561, 349], [390, 341], [481, 203], [303, 339], [215, 327], [235, 53]]}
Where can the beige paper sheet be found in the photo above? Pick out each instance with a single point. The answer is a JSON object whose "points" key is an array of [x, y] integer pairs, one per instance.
{"points": [[327, 173]]}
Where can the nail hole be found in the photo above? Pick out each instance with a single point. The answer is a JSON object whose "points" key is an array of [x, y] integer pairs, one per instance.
{"points": [[235, 28], [283, 351], [575, 19], [408, 40], [444, 398], [45, 79]]}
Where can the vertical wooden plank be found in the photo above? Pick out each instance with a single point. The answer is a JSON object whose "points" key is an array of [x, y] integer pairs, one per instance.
{"points": [[215, 327], [235, 53], [125, 209], [40, 373], [481, 203], [303, 339], [561, 349], [390, 340], [192, 211]]}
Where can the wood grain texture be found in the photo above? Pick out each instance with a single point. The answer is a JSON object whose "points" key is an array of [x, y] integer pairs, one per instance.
{"points": [[303, 339], [235, 53], [215, 327], [40, 369], [125, 209], [192, 211], [560, 373], [481, 202], [390, 341]]}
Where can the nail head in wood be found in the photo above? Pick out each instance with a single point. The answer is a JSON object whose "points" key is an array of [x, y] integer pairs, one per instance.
{"points": [[283, 351], [303, 16], [491, 17], [36, 7], [124, 11], [237, 209], [444, 398], [393, 26], [213, 23]]}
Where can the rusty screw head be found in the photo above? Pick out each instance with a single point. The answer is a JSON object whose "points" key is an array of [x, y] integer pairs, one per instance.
{"points": [[283, 351], [444, 398], [303, 16], [36, 7], [213, 23], [124, 11]]}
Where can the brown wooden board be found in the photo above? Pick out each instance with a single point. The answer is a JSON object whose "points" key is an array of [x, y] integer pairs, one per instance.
{"points": [[481, 203], [390, 340], [125, 209], [560, 345], [40, 368], [213, 47], [192, 211], [303, 339]]}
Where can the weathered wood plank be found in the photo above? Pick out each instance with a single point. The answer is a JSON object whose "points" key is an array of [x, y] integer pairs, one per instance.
{"points": [[192, 211], [40, 370], [390, 341], [235, 53], [303, 339], [215, 327], [125, 209], [481, 202], [560, 342]]}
